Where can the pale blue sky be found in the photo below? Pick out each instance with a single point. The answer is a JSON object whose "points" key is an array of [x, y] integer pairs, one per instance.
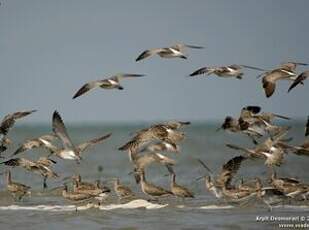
{"points": [[51, 48]]}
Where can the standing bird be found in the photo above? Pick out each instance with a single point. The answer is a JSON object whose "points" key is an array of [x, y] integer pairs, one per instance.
{"points": [[175, 51], [151, 189], [178, 190], [96, 190], [122, 191], [82, 185], [17, 190], [299, 80], [224, 71], [109, 83], [75, 196], [6, 124]]}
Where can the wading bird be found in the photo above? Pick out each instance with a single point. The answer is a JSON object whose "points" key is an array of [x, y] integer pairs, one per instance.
{"points": [[122, 191], [176, 189], [75, 196], [17, 190], [151, 189]]}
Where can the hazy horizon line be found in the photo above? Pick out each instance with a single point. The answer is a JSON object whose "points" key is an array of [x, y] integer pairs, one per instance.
{"points": [[119, 123]]}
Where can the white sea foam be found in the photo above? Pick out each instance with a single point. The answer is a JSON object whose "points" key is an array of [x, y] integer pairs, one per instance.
{"points": [[213, 207], [40, 207], [293, 207], [65, 208], [133, 205]]}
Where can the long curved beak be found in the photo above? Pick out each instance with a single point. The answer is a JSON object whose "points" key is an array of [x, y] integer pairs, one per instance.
{"points": [[205, 166]]}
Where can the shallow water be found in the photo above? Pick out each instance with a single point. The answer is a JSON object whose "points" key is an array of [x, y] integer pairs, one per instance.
{"points": [[48, 210]]}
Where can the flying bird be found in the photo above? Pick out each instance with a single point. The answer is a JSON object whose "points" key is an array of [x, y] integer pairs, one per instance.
{"points": [[161, 132], [109, 83], [40, 167], [224, 71], [42, 141], [69, 150], [175, 51], [299, 80], [291, 187], [221, 185], [285, 71], [161, 146], [7, 123], [253, 123], [142, 161], [271, 150]]}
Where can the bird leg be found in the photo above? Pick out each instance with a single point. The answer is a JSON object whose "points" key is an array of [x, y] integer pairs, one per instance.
{"points": [[14, 196], [270, 208], [20, 196], [2, 149], [44, 183], [151, 199]]}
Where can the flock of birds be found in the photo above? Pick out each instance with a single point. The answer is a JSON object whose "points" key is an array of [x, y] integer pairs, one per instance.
{"points": [[152, 144]]}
